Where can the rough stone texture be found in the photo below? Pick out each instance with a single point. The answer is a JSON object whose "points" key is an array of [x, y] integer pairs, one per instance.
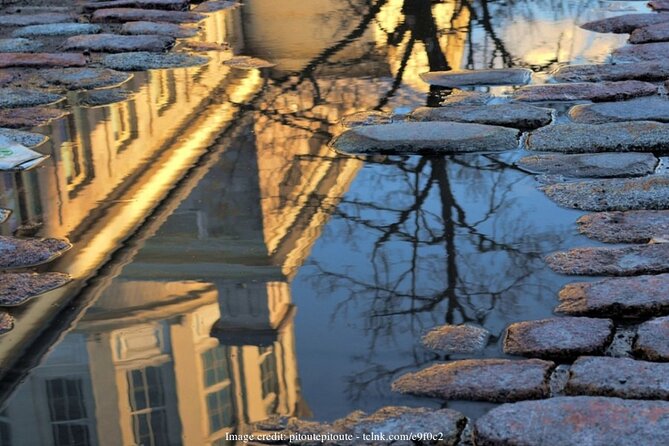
{"points": [[496, 380], [575, 421], [21, 97], [84, 78], [598, 165], [215, 5], [158, 28], [460, 78], [652, 340], [173, 5], [625, 227], [35, 19], [562, 337], [577, 91], [141, 61], [114, 43], [653, 108], [248, 63], [619, 377], [23, 253], [463, 97], [17, 288], [659, 5], [653, 33], [522, 116], [419, 137], [643, 71], [631, 260], [27, 139], [38, 60], [19, 45], [366, 118], [19, 118], [641, 52], [120, 15], [620, 297], [631, 136], [6, 322], [59, 29], [104, 97], [449, 339], [626, 23]]}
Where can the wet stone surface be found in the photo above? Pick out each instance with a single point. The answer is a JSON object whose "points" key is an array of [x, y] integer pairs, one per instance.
{"points": [[365, 118], [619, 377], [59, 29], [248, 63], [463, 97], [19, 45], [575, 421], [21, 253], [6, 322], [562, 337], [449, 339], [120, 15], [620, 297], [652, 340], [114, 43], [626, 261], [158, 28], [626, 23], [659, 5], [577, 91], [653, 33], [204, 46], [20, 97], [641, 52], [598, 165], [495, 380], [215, 5], [174, 5], [613, 194], [522, 116], [625, 227], [38, 60], [460, 78], [653, 108], [27, 139], [18, 288], [25, 118], [644, 71], [423, 137], [84, 78], [140, 61], [630, 136], [35, 19], [103, 97]]}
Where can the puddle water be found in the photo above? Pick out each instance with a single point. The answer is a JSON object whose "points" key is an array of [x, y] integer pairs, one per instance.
{"points": [[228, 266]]}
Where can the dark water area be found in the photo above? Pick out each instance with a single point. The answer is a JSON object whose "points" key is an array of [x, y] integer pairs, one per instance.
{"points": [[230, 266]]}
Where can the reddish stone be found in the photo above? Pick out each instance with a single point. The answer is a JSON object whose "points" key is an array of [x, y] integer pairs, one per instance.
{"points": [[29, 117], [625, 227], [119, 15], [41, 60], [652, 340]]}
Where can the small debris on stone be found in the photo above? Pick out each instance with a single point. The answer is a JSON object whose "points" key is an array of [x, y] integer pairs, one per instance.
{"points": [[17, 288], [450, 339], [599, 261]]}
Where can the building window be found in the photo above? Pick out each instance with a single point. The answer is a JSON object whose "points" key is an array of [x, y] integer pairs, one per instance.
{"points": [[67, 412], [219, 408], [148, 408], [218, 388]]}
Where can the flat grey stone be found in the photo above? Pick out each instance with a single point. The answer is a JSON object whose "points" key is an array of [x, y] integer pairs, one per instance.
{"points": [[613, 194], [17, 288], [449, 339], [620, 297], [421, 137], [40, 60], [114, 43], [366, 118], [215, 5], [495, 380], [659, 5], [463, 97], [120, 15], [158, 28], [578, 91], [641, 52], [653, 33], [27, 139], [248, 63], [625, 227], [58, 29], [619, 377], [652, 341], [575, 421], [104, 97], [653, 108], [84, 78], [35, 19], [21, 97], [24, 253], [171, 5], [652, 258], [460, 78], [561, 337], [626, 23], [141, 61], [19, 45], [521, 116], [631, 136], [597, 165], [643, 71]]}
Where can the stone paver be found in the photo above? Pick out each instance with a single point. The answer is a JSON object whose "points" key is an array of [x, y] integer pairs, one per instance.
{"points": [[626, 23], [21, 97], [561, 337], [158, 28], [653, 33], [659, 5], [575, 421], [114, 43], [120, 15], [620, 297], [450, 339], [23, 253], [38, 60], [643, 71], [629, 136], [460, 78], [17, 288], [522, 116], [140, 61], [204, 46], [19, 45], [173, 5], [104, 97], [18, 118], [463, 97], [631, 260], [35, 19], [84, 78], [423, 137], [58, 29], [653, 108], [366, 118], [625, 227], [641, 52], [496, 380], [597, 165], [652, 340], [6, 322], [248, 63], [577, 91], [27, 139], [215, 5]]}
